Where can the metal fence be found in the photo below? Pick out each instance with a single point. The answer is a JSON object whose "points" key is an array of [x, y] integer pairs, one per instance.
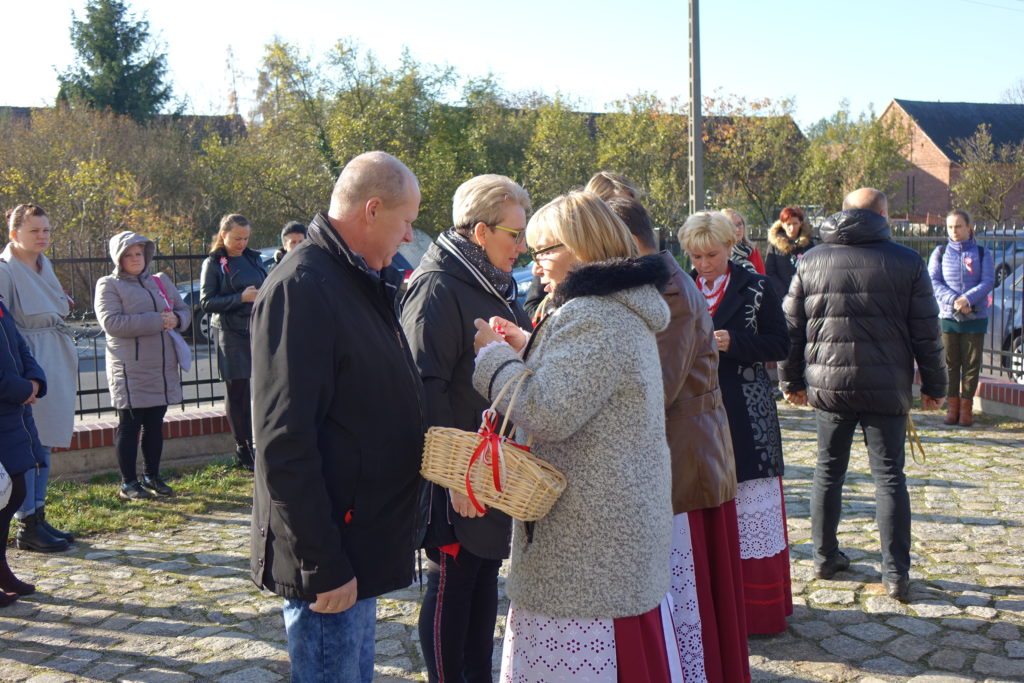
{"points": [[79, 266]]}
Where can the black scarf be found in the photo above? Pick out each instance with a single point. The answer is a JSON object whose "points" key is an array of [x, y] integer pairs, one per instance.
{"points": [[502, 282]]}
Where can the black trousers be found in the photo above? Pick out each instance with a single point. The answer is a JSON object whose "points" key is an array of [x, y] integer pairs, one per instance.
{"points": [[238, 406], [457, 617], [7, 513], [149, 422], [885, 437]]}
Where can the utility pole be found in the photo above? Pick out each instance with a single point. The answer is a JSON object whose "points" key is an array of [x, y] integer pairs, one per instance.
{"points": [[696, 146]]}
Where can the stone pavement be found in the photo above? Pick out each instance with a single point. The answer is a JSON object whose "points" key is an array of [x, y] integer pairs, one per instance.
{"points": [[178, 605]]}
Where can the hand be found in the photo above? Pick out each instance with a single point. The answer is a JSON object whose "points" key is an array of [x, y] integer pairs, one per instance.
{"points": [[170, 320], [484, 335], [962, 305], [463, 505], [35, 391], [249, 294], [722, 339], [929, 403], [514, 335], [796, 398], [337, 600]]}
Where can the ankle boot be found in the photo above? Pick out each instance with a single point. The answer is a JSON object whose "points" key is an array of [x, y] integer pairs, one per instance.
{"points": [[7, 599], [33, 536], [11, 584], [243, 456], [952, 410], [966, 412], [41, 514]]}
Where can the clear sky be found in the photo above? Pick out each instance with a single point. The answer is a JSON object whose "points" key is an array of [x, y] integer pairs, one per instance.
{"points": [[815, 51]]}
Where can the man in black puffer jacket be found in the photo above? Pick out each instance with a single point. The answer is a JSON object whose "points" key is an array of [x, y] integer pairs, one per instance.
{"points": [[860, 311]]}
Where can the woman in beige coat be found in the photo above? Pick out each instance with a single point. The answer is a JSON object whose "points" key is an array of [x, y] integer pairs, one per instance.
{"points": [[140, 312]]}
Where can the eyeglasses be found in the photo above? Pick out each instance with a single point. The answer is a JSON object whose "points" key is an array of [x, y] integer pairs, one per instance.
{"points": [[546, 251], [520, 234]]}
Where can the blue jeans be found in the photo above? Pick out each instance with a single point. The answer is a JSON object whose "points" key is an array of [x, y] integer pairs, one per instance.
{"points": [[35, 484], [324, 648], [884, 436]]}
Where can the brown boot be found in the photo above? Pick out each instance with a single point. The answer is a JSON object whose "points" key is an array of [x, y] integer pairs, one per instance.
{"points": [[952, 410], [966, 417]]}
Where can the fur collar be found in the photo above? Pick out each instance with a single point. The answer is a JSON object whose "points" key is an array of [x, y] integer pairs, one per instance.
{"points": [[777, 238], [601, 278]]}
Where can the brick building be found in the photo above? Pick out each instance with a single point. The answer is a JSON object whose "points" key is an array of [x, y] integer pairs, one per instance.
{"points": [[924, 195]]}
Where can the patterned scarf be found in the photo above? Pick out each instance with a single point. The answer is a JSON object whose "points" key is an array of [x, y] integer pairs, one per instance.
{"points": [[502, 282]]}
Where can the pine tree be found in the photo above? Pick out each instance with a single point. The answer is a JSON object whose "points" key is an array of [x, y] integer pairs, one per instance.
{"points": [[117, 66]]}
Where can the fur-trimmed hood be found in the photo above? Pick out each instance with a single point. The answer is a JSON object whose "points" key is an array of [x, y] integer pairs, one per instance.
{"points": [[625, 280], [777, 238]]}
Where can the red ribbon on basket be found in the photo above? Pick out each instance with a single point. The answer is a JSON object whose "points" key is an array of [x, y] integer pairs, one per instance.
{"points": [[492, 440]]}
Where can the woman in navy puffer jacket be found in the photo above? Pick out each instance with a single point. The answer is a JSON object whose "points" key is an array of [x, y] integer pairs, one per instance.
{"points": [[21, 383], [962, 277]]}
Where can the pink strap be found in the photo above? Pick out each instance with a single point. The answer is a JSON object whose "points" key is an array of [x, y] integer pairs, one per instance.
{"points": [[163, 293]]}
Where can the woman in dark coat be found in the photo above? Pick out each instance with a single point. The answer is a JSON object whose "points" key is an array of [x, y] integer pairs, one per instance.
{"points": [[21, 383], [788, 239], [750, 330], [465, 275], [230, 279]]}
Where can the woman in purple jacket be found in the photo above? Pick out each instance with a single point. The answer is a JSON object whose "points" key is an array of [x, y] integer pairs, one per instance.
{"points": [[962, 277]]}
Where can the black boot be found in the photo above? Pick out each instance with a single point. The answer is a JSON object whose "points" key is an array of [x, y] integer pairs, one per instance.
{"points": [[41, 514], [243, 456], [33, 536]]}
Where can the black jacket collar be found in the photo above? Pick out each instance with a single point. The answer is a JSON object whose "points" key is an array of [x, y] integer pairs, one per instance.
{"points": [[601, 278], [326, 237], [855, 226]]}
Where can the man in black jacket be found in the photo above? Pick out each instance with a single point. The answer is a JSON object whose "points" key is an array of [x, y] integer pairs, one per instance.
{"points": [[338, 410], [860, 311]]}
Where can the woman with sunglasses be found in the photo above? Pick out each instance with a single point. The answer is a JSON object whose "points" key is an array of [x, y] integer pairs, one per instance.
{"points": [[466, 274], [589, 582]]}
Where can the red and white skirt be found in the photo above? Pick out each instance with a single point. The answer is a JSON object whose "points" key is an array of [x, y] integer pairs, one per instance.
{"points": [[718, 581], [764, 549], [542, 649]]}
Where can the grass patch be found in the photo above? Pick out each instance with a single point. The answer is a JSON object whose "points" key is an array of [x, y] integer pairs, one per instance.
{"points": [[93, 507]]}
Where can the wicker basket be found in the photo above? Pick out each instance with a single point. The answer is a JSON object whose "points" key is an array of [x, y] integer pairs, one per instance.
{"points": [[490, 468]]}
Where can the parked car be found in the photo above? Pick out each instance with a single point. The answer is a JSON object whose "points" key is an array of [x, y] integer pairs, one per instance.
{"points": [[1007, 248], [199, 331], [1005, 329], [524, 277]]}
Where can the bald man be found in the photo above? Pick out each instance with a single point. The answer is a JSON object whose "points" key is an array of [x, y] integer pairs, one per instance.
{"points": [[860, 312], [338, 415]]}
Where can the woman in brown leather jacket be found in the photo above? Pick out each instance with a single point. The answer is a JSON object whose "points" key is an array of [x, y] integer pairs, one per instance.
{"points": [[705, 541]]}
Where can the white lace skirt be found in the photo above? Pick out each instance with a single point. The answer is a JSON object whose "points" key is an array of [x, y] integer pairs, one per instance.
{"points": [[542, 649], [760, 518]]}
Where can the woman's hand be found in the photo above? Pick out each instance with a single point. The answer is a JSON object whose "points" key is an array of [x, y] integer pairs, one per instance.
{"points": [[722, 339], [484, 335], [170, 320], [962, 305], [35, 390], [249, 294], [463, 505], [512, 333]]}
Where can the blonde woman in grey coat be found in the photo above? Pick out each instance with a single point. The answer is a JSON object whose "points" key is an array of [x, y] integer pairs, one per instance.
{"points": [[139, 311], [588, 583]]}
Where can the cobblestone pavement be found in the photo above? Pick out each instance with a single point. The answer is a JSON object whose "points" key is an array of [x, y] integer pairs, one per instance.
{"points": [[178, 606]]}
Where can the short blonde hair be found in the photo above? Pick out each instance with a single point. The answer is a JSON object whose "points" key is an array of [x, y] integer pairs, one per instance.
{"points": [[608, 185], [706, 229], [585, 225], [482, 200]]}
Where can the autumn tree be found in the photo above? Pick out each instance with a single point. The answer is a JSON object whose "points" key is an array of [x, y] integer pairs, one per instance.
{"points": [[117, 65], [645, 138], [845, 152], [562, 153], [989, 173], [754, 152]]}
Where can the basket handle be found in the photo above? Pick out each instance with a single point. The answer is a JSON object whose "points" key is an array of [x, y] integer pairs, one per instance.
{"points": [[491, 412]]}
